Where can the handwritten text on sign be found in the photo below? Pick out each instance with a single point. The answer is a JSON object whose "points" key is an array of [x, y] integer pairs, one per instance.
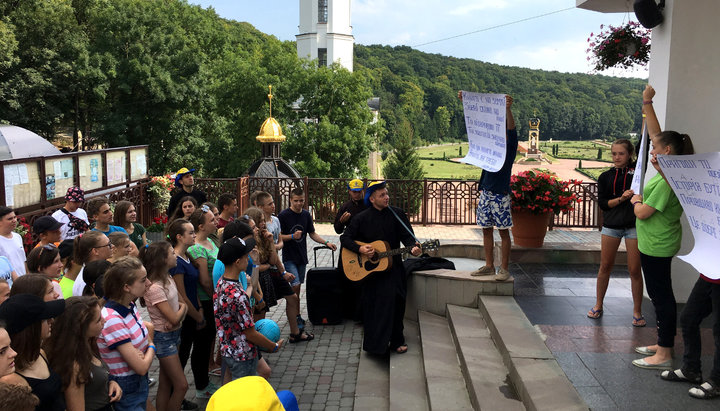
{"points": [[485, 124], [695, 180]]}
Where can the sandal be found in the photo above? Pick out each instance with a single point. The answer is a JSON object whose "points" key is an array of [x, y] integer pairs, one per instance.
{"points": [[705, 391], [296, 338], [680, 376], [639, 321], [402, 349], [595, 314]]}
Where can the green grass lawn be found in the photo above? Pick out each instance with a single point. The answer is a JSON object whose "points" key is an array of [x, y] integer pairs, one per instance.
{"points": [[593, 173], [586, 150], [450, 150]]}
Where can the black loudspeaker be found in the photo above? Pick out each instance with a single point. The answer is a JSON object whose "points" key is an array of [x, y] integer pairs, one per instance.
{"points": [[648, 12]]}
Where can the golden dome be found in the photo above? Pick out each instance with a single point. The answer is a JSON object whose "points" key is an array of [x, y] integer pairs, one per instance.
{"points": [[270, 132]]}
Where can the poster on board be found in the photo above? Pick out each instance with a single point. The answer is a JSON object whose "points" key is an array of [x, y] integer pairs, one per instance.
{"points": [[485, 125], [695, 179], [49, 187]]}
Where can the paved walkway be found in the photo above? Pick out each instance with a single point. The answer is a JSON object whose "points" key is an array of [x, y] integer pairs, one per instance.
{"points": [[595, 354]]}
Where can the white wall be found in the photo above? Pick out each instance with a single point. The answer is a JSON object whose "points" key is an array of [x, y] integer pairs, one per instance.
{"points": [[684, 72]]}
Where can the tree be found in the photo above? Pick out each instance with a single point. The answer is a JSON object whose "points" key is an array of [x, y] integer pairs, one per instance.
{"points": [[403, 163]]}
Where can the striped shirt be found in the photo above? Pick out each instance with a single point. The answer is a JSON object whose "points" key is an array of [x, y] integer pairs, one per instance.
{"points": [[122, 325]]}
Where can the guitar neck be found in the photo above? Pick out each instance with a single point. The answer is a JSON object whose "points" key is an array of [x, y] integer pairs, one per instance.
{"points": [[396, 251]]}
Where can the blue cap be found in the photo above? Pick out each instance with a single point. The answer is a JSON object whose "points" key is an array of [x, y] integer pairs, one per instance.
{"points": [[375, 185]]}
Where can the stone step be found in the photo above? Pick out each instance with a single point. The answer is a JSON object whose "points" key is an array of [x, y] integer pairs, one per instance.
{"points": [[407, 377], [445, 382], [540, 382], [372, 390], [550, 252], [486, 377]]}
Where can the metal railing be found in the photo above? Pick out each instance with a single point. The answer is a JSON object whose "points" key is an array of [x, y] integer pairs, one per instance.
{"points": [[447, 202]]}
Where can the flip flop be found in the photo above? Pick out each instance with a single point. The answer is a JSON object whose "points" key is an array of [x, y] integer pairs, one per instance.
{"points": [[595, 314], [402, 349], [296, 338], [639, 321]]}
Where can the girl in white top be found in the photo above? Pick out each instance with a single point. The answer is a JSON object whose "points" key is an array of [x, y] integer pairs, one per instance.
{"points": [[167, 313]]}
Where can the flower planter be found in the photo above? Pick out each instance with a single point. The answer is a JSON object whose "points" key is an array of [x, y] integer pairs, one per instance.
{"points": [[529, 229]]}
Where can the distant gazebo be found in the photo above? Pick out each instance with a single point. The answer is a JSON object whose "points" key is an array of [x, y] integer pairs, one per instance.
{"points": [[271, 163]]}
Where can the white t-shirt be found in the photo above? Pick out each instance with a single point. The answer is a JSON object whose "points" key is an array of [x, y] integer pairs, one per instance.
{"points": [[274, 227], [12, 248], [79, 284], [68, 233]]}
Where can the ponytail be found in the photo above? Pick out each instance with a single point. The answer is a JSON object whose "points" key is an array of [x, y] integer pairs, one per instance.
{"points": [[680, 144]]}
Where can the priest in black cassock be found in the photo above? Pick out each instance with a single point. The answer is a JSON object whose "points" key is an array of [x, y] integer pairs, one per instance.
{"points": [[383, 293]]}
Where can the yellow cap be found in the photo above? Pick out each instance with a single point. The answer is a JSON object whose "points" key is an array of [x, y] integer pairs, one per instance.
{"points": [[355, 185], [245, 394]]}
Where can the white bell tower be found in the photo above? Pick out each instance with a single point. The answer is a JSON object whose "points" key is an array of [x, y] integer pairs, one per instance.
{"points": [[325, 32]]}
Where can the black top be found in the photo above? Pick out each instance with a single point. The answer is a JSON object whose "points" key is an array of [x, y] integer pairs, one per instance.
{"points": [[96, 389], [354, 208], [198, 195], [612, 184], [49, 391], [295, 250]]}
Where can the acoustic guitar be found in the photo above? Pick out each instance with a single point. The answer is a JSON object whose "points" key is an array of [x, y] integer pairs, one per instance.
{"points": [[358, 266]]}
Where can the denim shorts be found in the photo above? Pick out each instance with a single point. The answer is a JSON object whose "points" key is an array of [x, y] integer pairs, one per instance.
{"points": [[627, 233], [298, 270], [167, 343], [134, 392], [239, 369]]}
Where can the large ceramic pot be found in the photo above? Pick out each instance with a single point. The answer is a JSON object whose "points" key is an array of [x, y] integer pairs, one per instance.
{"points": [[529, 229]]}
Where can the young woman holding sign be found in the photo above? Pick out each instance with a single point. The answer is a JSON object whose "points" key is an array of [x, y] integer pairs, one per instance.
{"points": [[659, 235]]}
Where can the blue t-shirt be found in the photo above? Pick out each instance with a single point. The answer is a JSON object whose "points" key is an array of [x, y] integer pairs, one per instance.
{"points": [[191, 277], [295, 250], [6, 270], [499, 181], [219, 270], [111, 229]]}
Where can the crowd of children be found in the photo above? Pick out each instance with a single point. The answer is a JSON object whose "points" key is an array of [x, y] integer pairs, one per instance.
{"points": [[71, 331]]}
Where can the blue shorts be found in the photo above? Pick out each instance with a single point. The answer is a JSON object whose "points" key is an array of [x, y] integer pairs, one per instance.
{"points": [[493, 210], [298, 270], [134, 392], [627, 233], [167, 343], [239, 369]]}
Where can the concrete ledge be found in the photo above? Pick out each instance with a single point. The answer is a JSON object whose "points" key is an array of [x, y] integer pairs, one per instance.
{"points": [[407, 378], [559, 252], [432, 290], [539, 380], [445, 383], [482, 365], [372, 390]]}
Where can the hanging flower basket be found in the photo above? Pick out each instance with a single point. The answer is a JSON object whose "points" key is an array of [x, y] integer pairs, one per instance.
{"points": [[624, 46]]}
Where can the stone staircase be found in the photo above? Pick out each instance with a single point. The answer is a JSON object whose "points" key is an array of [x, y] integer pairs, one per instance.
{"points": [[471, 348]]}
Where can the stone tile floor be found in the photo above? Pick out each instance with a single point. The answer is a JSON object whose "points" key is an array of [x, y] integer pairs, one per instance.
{"points": [[595, 354]]}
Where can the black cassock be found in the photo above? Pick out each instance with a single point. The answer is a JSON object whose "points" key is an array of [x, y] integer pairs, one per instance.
{"points": [[383, 293]]}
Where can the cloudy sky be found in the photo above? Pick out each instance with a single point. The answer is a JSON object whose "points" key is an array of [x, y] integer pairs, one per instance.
{"points": [[555, 41]]}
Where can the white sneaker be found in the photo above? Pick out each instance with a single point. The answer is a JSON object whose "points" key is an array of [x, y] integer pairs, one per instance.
{"points": [[502, 274], [484, 270]]}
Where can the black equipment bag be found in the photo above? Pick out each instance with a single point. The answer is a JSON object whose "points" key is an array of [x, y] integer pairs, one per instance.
{"points": [[324, 293], [425, 263]]}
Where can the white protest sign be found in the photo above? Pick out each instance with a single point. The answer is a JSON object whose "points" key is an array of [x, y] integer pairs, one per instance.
{"points": [[695, 179], [485, 124], [639, 176]]}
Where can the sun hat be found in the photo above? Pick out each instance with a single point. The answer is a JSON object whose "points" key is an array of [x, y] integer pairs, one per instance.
{"points": [[75, 195]]}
